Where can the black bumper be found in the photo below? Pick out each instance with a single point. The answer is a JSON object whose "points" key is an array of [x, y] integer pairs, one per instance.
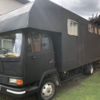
{"points": [[18, 92]]}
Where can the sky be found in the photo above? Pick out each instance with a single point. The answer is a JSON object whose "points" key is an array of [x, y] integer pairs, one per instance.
{"points": [[84, 8]]}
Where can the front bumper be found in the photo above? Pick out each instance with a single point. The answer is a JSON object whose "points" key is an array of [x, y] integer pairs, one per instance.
{"points": [[18, 92]]}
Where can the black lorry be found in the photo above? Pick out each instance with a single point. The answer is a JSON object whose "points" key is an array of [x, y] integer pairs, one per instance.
{"points": [[43, 45]]}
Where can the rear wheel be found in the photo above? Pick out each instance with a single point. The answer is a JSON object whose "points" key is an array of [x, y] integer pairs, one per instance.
{"points": [[47, 90], [89, 69]]}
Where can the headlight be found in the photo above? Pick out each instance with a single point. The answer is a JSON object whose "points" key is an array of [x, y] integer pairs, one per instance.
{"points": [[16, 81], [11, 80]]}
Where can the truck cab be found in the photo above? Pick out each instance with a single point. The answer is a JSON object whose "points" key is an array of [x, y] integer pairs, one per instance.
{"points": [[24, 57]]}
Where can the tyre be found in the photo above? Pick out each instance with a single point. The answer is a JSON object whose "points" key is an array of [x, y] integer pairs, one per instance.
{"points": [[91, 69], [47, 90]]}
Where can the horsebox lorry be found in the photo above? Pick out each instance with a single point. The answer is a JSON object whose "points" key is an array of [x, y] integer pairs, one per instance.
{"points": [[43, 45]]}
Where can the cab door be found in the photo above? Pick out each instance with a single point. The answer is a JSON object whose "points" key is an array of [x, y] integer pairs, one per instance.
{"points": [[40, 55]]}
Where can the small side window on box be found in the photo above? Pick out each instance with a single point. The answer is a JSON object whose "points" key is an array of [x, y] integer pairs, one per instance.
{"points": [[99, 31], [96, 30], [90, 28], [72, 27]]}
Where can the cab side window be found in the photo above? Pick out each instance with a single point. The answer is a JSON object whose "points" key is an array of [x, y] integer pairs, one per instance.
{"points": [[41, 42], [37, 42]]}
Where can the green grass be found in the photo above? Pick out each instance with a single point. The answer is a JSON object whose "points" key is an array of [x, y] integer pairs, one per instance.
{"points": [[85, 89]]}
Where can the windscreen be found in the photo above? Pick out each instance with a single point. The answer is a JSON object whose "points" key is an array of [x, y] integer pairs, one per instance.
{"points": [[11, 44]]}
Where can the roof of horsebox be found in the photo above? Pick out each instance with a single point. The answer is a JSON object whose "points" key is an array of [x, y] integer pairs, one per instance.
{"points": [[39, 14]]}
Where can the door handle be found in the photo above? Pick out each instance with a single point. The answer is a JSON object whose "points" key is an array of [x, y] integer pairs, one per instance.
{"points": [[34, 57]]}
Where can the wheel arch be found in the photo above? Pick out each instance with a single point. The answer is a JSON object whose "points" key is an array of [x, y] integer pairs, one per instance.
{"points": [[53, 73]]}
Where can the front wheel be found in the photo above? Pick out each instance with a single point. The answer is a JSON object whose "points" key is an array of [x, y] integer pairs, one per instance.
{"points": [[47, 90]]}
